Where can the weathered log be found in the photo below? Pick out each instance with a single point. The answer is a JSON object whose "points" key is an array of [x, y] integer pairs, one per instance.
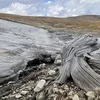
{"points": [[78, 62]]}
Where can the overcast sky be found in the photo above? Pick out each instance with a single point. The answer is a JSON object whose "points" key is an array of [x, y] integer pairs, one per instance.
{"points": [[61, 8]]}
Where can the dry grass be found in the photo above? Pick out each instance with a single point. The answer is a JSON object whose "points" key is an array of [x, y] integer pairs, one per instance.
{"points": [[91, 22]]}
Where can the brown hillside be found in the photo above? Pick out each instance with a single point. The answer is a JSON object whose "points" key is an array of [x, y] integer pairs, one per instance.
{"points": [[91, 22]]}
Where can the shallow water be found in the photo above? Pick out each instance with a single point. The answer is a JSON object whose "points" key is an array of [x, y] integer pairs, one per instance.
{"points": [[18, 43]]}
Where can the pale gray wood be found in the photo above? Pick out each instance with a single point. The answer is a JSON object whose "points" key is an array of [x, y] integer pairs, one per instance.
{"points": [[74, 64]]}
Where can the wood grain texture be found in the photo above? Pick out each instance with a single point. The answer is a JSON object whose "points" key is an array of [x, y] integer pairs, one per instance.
{"points": [[78, 62]]}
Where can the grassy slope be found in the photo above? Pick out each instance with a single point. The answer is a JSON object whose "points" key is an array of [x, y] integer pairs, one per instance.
{"points": [[91, 22]]}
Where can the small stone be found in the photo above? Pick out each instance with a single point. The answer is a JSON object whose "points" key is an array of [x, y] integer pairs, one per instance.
{"points": [[54, 85], [91, 94], [99, 97], [40, 85], [42, 65], [61, 91], [49, 90], [66, 87], [58, 60], [71, 93], [51, 72], [76, 97], [14, 92], [89, 98], [97, 90], [24, 92], [41, 96], [17, 96], [80, 94], [11, 96], [29, 96], [5, 98], [33, 98], [55, 90], [69, 98], [29, 88]]}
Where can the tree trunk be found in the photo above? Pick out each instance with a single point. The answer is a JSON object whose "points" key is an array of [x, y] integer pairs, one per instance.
{"points": [[79, 62]]}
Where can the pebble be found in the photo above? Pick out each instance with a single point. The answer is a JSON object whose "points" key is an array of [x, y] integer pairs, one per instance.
{"points": [[55, 90], [41, 96], [29, 87], [66, 87], [40, 85], [17, 96], [58, 60], [71, 93], [51, 72], [97, 90], [5, 98], [54, 85], [24, 92], [91, 94], [61, 91], [42, 65], [76, 97], [10, 96]]}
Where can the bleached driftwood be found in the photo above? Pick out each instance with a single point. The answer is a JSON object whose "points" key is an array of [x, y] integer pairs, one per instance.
{"points": [[78, 62]]}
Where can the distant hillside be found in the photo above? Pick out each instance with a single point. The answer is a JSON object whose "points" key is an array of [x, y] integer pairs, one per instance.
{"points": [[91, 22]]}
